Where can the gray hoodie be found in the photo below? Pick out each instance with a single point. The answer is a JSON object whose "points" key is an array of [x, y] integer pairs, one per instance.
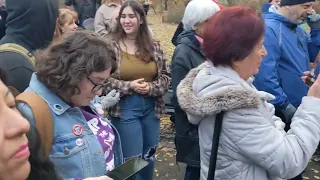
{"points": [[253, 144]]}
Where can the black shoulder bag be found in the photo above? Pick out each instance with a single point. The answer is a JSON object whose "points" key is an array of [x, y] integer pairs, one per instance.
{"points": [[215, 144]]}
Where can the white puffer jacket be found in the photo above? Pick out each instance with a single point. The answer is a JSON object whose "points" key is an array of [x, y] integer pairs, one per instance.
{"points": [[253, 144]]}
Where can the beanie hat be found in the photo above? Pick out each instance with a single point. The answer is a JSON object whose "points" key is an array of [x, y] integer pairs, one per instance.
{"points": [[294, 2]]}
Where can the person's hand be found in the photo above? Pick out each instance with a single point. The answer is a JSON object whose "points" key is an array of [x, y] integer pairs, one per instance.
{"points": [[315, 89], [138, 83], [99, 178], [110, 99], [144, 90], [308, 79], [306, 74]]}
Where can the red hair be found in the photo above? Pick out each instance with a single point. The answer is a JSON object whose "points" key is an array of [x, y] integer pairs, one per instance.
{"points": [[231, 34]]}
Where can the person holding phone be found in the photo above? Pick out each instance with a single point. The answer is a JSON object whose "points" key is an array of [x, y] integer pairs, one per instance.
{"points": [[142, 78], [253, 143], [290, 51], [70, 76]]}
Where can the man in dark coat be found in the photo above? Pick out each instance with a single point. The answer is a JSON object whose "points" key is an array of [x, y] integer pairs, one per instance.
{"points": [[31, 25]]}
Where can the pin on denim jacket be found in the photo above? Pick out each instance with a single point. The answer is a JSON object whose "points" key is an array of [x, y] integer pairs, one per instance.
{"points": [[74, 155]]}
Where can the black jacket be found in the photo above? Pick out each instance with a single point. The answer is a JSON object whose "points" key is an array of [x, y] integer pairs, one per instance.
{"points": [[30, 24], [3, 16], [85, 8], [178, 31], [186, 56]]}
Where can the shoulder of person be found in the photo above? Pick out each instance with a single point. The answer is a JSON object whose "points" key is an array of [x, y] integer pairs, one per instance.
{"points": [[12, 59], [182, 50]]}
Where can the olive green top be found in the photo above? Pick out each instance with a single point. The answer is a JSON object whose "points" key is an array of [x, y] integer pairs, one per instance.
{"points": [[132, 67]]}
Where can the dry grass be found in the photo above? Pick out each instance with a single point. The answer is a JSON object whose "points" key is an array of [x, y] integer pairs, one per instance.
{"points": [[163, 32]]}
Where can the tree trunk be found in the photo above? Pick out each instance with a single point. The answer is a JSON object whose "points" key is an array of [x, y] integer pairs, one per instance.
{"points": [[166, 5]]}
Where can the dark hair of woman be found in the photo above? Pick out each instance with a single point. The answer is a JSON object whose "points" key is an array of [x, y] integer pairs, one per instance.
{"points": [[41, 167], [144, 41], [67, 61]]}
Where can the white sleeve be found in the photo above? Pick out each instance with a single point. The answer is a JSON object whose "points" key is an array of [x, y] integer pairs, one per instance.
{"points": [[282, 155]]}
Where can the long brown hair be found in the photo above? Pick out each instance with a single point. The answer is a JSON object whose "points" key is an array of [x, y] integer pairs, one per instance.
{"points": [[144, 41], [63, 19]]}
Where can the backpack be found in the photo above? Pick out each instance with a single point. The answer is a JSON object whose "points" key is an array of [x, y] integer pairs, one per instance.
{"points": [[40, 109]]}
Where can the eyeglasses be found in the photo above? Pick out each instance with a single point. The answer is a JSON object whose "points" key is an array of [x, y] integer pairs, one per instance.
{"points": [[96, 86]]}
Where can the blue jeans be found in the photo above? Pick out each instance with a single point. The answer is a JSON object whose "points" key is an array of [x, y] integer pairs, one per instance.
{"points": [[192, 173], [139, 131]]}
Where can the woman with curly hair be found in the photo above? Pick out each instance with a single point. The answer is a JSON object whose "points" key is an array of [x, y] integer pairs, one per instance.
{"points": [[70, 74]]}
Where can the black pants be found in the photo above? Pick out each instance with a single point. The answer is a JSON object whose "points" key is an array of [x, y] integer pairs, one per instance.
{"points": [[299, 177]]}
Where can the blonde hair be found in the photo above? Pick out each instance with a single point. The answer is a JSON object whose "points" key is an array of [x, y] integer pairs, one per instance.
{"points": [[63, 19]]}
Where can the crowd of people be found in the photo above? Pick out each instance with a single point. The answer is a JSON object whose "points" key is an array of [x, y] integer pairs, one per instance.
{"points": [[100, 77]]}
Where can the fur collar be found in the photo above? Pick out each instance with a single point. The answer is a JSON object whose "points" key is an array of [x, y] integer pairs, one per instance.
{"points": [[221, 100]]}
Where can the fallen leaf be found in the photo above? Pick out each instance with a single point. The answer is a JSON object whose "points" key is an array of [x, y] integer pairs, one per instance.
{"points": [[316, 177], [164, 149], [303, 177], [171, 164], [168, 154], [316, 171]]}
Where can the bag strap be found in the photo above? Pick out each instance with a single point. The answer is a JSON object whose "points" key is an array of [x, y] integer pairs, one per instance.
{"points": [[13, 91], [12, 47], [215, 144], [42, 116]]}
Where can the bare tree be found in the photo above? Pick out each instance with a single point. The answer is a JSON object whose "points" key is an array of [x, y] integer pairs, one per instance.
{"points": [[166, 2]]}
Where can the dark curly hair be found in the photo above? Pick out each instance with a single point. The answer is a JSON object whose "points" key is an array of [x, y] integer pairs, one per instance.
{"points": [[71, 58]]}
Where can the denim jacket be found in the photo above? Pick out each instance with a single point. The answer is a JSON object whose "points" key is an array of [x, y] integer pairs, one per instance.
{"points": [[72, 157]]}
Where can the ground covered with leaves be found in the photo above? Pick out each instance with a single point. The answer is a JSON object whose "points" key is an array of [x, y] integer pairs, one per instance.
{"points": [[166, 166]]}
